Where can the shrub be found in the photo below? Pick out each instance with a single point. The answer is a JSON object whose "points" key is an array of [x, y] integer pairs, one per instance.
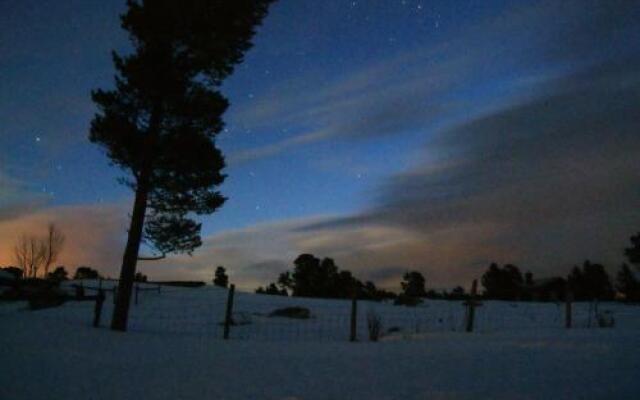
{"points": [[605, 319], [46, 298], [292, 312]]}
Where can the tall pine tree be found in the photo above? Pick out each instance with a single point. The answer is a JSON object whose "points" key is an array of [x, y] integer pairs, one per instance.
{"points": [[160, 121]]}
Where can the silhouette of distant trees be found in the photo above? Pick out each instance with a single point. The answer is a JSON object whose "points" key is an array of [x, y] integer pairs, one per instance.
{"points": [[33, 254], [502, 283], [15, 271], [413, 284], [58, 274], [590, 283], [628, 284], [272, 289], [85, 272], [315, 277], [633, 253], [140, 277], [220, 277], [312, 277]]}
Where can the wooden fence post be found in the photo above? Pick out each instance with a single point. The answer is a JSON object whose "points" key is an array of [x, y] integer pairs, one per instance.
{"points": [[97, 311], [228, 315], [354, 320], [568, 299], [471, 306]]}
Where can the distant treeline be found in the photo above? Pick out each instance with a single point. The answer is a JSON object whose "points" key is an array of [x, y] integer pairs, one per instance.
{"points": [[322, 278], [313, 277]]}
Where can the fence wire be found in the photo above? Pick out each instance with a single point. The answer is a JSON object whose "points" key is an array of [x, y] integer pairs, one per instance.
{"points": [[201, 312]]}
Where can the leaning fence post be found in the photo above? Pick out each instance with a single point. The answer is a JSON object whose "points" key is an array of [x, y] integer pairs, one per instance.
{"points": [[568, 300], [354, 319], [97, 311], [471, 306], [227, 317]]}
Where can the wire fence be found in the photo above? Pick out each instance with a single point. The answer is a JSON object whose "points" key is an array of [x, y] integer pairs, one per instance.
{"points": [[201, 312]]}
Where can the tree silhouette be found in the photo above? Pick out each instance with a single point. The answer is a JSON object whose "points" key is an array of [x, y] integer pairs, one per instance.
{"points": [[633, 253], [28, 254], [221, 279], [59, 274], [86, 273], [272, 289], [591, 282], [312, 277], [33, 253], [15, 271], [140, 277], [628, 284], [502, 283], [413, 284], [52, 246], [160, 121]]}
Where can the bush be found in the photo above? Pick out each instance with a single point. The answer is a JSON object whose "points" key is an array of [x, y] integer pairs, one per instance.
{"points": [[605, 319], [46, 298], [292, 312]]}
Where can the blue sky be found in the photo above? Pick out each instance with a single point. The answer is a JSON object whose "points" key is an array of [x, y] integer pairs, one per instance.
{"points": [[345, 121]]}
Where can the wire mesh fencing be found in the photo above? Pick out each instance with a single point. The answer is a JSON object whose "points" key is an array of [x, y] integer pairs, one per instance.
{"points": [[201, 312]]}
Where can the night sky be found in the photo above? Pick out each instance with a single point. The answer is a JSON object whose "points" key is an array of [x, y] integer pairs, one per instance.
{"points": [[387, 134]]}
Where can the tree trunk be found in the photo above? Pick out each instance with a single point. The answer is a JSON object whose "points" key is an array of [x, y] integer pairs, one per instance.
{"points": [[130, 258]]}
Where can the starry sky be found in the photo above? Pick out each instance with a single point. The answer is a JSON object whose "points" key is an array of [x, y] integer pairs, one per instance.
{"points": [[387, 134]]}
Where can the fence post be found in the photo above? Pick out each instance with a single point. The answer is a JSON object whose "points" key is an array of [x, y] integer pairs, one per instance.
{"points": [[100, 283], [97, 311], [471, 306], [227, 318], [115, 294], [354, 319], [568, 300]]}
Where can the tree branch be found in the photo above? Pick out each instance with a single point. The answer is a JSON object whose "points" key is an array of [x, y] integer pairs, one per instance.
{"points": [[152, 258]]}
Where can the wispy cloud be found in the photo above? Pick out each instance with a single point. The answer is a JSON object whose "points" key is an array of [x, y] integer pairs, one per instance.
{"points": [[439, 83], [553, 179], [94, 234]]}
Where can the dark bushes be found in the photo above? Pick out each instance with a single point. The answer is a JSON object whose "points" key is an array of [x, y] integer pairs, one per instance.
{"points": [[292, 312]]}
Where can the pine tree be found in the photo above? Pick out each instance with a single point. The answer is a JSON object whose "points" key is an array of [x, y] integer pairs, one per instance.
{"points": [[633, 253], [160, 121], [221, 279], [628, 284]]}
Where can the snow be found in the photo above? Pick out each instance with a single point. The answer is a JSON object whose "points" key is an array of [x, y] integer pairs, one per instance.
{"points": [[174, 351]]}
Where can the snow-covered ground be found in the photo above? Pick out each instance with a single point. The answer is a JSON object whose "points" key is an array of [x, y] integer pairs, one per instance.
{"points": [[174, 351]]}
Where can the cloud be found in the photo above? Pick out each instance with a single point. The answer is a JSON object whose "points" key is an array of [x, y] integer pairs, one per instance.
{"points": [[16, 199], [95, 234], [543, 183], [439, 82]]}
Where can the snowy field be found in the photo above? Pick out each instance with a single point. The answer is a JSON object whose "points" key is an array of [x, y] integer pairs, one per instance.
{"points": [[174, 351]]}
